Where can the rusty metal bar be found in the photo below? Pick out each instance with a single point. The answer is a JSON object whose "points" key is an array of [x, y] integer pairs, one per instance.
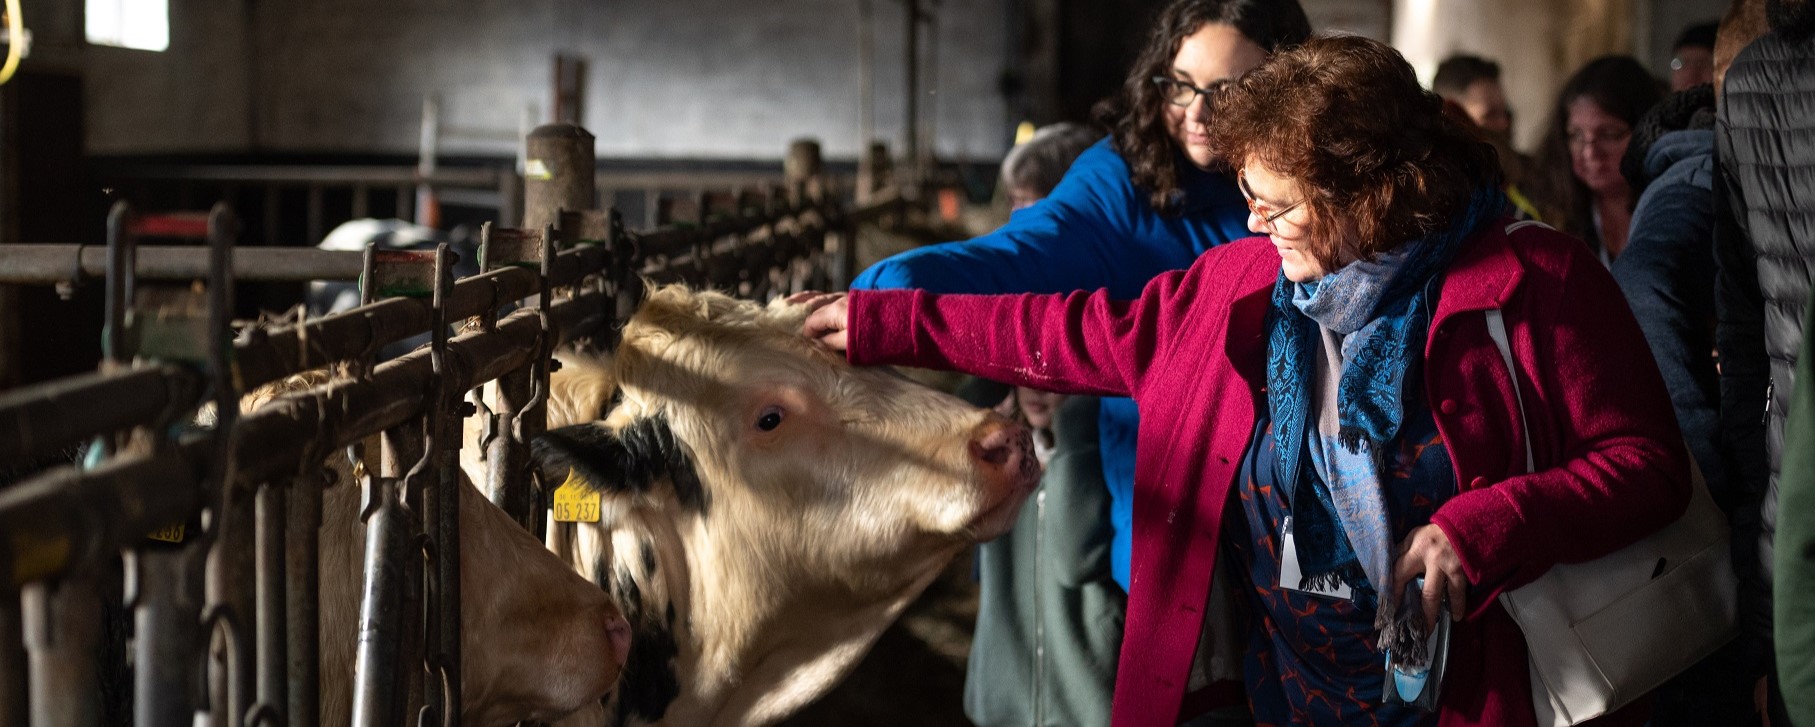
{"points": [[302, 575], [14, 681], [441, 501], [475, 177], [65, 518], [38, 421], [48, 263], [166, 597], [269, 597], [63, 633]]}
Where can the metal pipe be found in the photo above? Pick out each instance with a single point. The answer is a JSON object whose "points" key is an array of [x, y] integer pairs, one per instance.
{"points": [[302, 575], [272, 628], [48, 263], [166, 597], [507, 474], [266, 356], [119, 265], [559, 174], [36, 422], [375, 698], [911, 122], [66, 517], [63, 632], [14, 681], [63, 518]]}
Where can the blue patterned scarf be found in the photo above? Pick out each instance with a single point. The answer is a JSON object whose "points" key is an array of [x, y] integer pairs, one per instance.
{"points": [[1359, 331]]}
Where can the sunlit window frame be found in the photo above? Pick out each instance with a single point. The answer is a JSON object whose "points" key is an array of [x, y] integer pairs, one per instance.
{"points": [[134, 24]]}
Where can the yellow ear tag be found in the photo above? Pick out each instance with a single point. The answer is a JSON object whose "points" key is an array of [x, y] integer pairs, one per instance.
{"points": [[172, 534], [575, 502]]}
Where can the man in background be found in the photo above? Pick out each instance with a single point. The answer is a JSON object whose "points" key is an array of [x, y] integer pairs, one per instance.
{"points": [[1692, 58]]}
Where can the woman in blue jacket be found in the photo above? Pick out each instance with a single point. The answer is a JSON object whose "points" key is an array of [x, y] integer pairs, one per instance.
{"points": [[1144, 201]]}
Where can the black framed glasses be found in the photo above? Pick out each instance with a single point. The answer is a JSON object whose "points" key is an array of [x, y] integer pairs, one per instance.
{"points": [[1180, 93]]}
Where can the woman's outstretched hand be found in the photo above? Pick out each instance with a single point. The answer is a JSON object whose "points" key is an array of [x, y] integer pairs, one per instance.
{"points": [[1427, 552], [826, 319]]}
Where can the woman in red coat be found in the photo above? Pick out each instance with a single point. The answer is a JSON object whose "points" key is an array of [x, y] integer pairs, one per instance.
{"points": [[1324, 406]]}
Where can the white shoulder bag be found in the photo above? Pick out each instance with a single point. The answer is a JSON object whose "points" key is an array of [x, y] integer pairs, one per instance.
{"points": [[1606, 632]]}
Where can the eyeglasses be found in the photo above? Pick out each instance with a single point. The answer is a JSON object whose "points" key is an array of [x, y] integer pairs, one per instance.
{"points": [[1258, 207], [1179, 93], [1606, 136]]}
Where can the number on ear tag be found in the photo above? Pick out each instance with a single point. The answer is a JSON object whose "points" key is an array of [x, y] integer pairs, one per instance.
{"points": [[172, 534], [575, 502]]}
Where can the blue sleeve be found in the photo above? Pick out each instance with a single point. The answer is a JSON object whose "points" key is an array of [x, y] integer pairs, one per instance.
{"points": [[1667, 274], [1095, 231]]}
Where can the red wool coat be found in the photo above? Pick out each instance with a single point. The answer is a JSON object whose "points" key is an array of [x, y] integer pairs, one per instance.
{"points": [[1192, 351]]}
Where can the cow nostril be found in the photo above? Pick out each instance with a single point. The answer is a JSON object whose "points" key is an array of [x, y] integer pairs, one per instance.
{"points": [[995, 455], [998, 446]]}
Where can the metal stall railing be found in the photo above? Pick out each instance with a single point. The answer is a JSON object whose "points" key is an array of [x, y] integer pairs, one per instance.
{"points": [[223, 591]]}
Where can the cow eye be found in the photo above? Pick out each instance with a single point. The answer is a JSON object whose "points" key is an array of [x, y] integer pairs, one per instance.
{"points": [[769, 419]]}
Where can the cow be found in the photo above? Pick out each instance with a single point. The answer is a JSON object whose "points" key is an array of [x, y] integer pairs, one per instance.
{"points": [[538, 641], [765, 509]]}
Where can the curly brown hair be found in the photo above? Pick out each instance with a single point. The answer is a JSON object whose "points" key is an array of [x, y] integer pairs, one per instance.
{"points": [[1136, 115], [1377, 159]]}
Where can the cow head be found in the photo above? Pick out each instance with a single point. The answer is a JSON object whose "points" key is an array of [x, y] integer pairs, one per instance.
{"points": [[768, 508]]}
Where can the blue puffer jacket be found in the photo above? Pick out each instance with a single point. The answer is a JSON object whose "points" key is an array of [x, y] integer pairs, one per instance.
{"points": [[1667, 274], [1096, 230]]}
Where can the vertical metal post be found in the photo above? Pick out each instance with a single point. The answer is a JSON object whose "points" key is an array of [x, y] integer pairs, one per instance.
{"points": [[302, 573], [168, 643], [442, 503], [866, 73], [389, 659], [273, 644], [377, 701], [229, 604], [911, 63], [558, 174], [63, 631], [14, 681], [625, 263], [427, 207]]}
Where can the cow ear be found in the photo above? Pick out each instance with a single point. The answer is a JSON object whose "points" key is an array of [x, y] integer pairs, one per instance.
{"points": [[629, 460]]}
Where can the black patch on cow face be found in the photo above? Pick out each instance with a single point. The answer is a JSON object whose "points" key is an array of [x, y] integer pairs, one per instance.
{"points": [[649, 682], [631, 460]]}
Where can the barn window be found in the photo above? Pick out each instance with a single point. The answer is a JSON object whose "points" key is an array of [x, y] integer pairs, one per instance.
{"points": [[141, 24]]}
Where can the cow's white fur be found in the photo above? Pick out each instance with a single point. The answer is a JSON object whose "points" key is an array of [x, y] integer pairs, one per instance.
{"points": [[815, 536]]}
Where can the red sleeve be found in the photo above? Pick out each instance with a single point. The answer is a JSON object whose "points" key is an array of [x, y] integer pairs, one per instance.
{"points": [[1074, 343], [1621, 470]]}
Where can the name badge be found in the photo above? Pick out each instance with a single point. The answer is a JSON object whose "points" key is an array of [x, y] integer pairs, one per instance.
{"points": [[1292, 579]]}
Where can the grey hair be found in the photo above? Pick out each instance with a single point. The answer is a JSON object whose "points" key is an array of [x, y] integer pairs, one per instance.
{"points": [[1038, 164]]}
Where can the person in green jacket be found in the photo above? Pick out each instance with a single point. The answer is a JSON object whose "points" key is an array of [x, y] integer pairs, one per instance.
{"points": [[1049, 621], [1793, 601]]}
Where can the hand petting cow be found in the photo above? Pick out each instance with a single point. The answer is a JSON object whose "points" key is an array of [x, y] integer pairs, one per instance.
{"points": [[759, 509]]}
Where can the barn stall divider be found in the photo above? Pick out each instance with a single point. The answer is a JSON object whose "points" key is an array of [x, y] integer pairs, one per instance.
{"points": [[203, 521]]}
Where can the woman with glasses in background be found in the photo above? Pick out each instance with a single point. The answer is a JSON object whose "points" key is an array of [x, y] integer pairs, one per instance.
{"points": [[1576, 182], [1147, 199], [1326, 416]]}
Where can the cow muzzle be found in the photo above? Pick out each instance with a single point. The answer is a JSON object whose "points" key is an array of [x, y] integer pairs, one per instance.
{"points": [[1003, 454]]}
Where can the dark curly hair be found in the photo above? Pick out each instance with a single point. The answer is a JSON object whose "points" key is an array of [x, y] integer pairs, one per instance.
{"points": [[1690, 108], [1373, 152], [1136, 115]]}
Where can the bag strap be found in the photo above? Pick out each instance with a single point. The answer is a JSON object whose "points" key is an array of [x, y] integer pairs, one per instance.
{"points": [[1496, 329]]}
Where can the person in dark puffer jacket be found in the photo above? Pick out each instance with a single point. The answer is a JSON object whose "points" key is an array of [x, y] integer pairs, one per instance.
{"points": [[1764, 251], [1667, 277]]}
